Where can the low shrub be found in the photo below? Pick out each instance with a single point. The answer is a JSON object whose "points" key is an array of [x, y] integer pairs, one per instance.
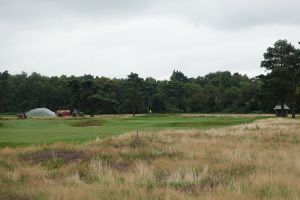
{"points": [[6, 165], [85, 173], [149, 154], [55, 163], [13, 195], [48, 154]]}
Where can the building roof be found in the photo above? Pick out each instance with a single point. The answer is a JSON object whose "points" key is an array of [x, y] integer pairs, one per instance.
{"points": [[278, 107]]}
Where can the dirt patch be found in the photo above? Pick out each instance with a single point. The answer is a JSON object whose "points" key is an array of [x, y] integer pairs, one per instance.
{"points": [[91, 123], [45, 155]]}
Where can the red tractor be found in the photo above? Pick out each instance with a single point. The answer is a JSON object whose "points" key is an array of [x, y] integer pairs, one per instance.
{"points": [[63, 113], [73, 113]]}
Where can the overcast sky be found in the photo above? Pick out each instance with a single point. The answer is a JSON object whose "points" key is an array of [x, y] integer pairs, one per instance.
{"points": [[150, 37]]}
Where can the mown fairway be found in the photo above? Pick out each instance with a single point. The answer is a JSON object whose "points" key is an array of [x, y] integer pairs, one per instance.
{"points": [[37, 131]]}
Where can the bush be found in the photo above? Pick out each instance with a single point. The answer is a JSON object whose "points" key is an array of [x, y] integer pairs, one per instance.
{"points": [[55, 163], [149, 155], [6, 165]]}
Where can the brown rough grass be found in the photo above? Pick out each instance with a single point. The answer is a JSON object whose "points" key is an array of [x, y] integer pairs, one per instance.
{"points": [[260, 160]]}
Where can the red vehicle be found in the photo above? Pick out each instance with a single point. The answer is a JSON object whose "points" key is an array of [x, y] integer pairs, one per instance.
{"points": [[63, 113]]}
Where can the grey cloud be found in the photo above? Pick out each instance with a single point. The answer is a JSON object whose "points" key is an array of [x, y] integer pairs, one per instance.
{"points": [[231, 14], [150, 37], [216, 13]]}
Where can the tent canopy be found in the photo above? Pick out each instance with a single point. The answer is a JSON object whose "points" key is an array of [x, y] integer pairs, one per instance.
{"points": [[278, 107], [40, 112]]}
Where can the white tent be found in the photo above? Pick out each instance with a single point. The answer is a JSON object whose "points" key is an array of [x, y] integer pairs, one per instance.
{"points": [[40, 112]]}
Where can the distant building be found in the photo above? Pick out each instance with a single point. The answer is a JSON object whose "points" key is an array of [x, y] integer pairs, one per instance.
{"points": [[277, 110]]}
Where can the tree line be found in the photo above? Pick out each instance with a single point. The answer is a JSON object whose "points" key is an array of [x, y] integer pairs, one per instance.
{"points": [[222, 91]]}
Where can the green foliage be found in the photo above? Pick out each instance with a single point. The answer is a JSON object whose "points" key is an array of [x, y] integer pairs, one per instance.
{"points": [[265, 192], [178, 76], [106, 159], [55, 163], [161, 175], [149, 155], [11, 194], [214, 92], [240, 170], [182, 185], [223, 92], [85, 173], [282, 61], [133, 91], [6, 165]]}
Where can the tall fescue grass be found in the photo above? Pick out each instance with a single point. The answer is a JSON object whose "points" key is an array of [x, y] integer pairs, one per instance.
{"points": [[260, 160]]}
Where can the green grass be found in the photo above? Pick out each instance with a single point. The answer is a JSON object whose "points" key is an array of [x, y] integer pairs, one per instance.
{"points": [[39, 131]]}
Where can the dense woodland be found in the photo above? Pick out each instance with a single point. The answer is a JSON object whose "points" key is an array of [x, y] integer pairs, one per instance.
{"points": [[221, 92]]}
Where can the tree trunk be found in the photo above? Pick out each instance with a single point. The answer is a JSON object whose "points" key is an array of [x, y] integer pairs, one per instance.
{"points": [[133, 111], [282, 109], [293, 111], [294, 97]]}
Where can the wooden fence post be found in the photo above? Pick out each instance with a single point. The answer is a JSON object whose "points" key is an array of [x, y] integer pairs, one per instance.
{"points": [[137, 138]]}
